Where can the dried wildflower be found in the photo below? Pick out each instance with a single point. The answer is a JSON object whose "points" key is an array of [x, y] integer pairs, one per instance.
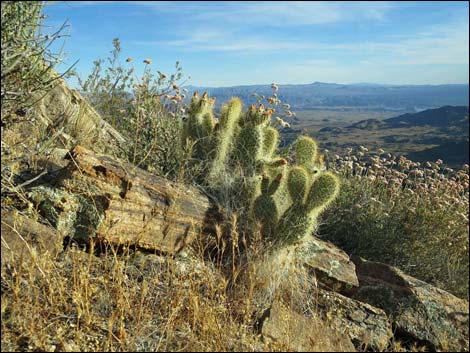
{"points": [[147, 61], [129, 60], [362, 148], [274, 87]]}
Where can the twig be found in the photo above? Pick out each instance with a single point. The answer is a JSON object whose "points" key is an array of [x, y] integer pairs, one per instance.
{"points": [[29, 181]]}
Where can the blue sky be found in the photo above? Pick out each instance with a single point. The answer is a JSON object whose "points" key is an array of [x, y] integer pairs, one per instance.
{"points": [[230, 43]]}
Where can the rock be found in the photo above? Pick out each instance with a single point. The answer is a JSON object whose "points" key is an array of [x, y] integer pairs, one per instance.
{"points": [[367, 327], [331, 265], [294, 332], [71, 119], [420, 311], [99, 197], [24, 237]]}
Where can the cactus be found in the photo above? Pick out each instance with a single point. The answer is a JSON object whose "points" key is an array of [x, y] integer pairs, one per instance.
{"points": [[229, 119], [199, 126], [310, 198], [265, 209], [270, 141], [242, 148], [306, 153], [252, 141]]}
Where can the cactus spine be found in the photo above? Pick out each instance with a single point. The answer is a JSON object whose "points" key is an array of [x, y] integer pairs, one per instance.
{"points": [[200, 125], [310, 198], [229, 119], [286, 201]]}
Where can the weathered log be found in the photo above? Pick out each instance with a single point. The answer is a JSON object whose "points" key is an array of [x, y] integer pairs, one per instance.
{"points": [[103, 198]]}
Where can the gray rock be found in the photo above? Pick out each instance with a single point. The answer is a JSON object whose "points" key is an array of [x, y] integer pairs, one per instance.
{"points": [[331, 265], [367, 327], [418, 310]]}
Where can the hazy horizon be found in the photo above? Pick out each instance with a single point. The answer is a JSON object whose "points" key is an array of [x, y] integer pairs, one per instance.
{"points": [[224, 44], [329, 83]]}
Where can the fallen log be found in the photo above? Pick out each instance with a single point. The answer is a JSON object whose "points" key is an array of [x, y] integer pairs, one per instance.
{"points": [[99, 197]]}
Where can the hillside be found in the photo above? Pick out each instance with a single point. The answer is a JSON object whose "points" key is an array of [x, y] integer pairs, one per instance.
{"points": [[454, 153], [443, 117], [432, 134], [135, 221]]}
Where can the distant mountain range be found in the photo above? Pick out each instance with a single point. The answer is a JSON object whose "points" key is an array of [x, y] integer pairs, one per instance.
{"points": [[447, 127], [363, 95], [446, 117], [443, 117]]}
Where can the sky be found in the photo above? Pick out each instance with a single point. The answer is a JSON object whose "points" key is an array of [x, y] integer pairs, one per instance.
{"points": [[227, 43]]}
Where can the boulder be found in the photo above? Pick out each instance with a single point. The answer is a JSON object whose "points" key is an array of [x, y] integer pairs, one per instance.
{"points": [[331, 266], [368, 327], [418, 310]]}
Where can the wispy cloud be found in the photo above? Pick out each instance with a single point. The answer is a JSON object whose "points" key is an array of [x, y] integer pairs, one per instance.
{"points": [[434, 45], [275, 13], [305, 41]]}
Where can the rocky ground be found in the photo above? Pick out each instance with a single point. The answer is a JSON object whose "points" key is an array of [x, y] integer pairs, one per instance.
{"points": [[87, 196]]}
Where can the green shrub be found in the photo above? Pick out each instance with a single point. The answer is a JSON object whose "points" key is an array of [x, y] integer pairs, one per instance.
{"points": [[147, 111], [26, 61], [410, 215]]}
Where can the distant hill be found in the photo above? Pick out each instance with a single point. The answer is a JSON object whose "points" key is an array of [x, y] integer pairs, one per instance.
{"points": [[453, 153], [368, 124], [448, 118], [372, 96], [442, 117], [447, 127]]}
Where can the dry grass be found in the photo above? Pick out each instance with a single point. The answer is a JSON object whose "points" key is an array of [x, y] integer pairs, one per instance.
{"points": [[126, 300], [118, 302]]}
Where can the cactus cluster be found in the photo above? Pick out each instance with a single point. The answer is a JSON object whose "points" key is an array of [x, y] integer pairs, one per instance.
{"points": [[284, 200]]}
